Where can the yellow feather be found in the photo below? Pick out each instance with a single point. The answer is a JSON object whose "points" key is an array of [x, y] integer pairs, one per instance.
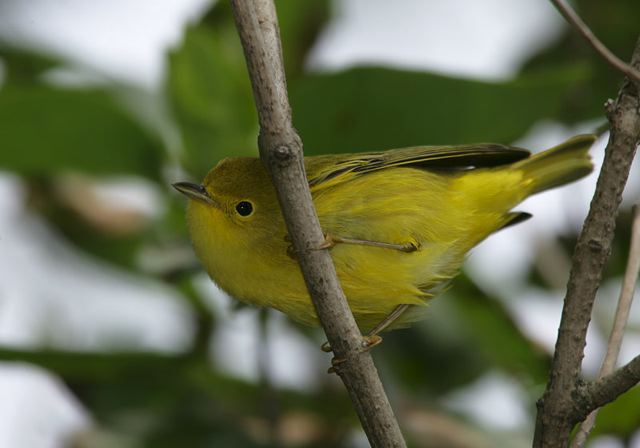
{"points": [[444, 200]]}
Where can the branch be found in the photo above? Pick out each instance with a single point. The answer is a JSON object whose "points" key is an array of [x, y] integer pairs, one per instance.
{"points": [[574, 20], [620, 321], [281, 152], [626, 296], [606, 389], [555, 418]]}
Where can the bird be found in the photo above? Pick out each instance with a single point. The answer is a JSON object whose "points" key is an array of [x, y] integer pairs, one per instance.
{"points": [[398, 223]]}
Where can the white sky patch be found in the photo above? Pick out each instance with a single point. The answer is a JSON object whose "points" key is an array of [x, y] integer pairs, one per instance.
{"points": [[505, 396], [53, 294], [488, 39], [635, 441], [537, 313], [36, 409], [130, 192], [121, 38], [606, 442], [294, 362], [500, 263]]}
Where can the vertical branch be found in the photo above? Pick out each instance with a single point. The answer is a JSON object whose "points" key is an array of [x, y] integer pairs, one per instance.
{"points": [[620, 321], [626, 297], [281, 152], [556, 410]]}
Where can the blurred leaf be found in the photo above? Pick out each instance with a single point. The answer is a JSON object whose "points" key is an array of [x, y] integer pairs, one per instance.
{"points": [[300, 25], [119, 249], [465, 334], [177, 400], [495, 334], [616, 25], [79, 367], [622, 417], [377, 108], [45, 130], [413, 353], [209, 90], [25, 66], [208, 84]]}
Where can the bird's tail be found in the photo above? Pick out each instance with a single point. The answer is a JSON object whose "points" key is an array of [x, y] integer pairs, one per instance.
{"points": [[567, 162]]}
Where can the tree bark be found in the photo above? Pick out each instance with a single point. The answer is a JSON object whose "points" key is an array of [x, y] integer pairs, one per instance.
{"points": [[281, 151], [557, 408]]}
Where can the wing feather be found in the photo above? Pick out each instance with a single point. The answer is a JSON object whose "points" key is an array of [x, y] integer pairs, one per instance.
{"points": [[323, 168]]}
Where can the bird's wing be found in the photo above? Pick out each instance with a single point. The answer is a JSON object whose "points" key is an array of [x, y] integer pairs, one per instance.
{"points": [[323, 168]]}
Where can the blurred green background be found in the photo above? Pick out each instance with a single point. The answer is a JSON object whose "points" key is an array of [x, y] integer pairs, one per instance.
{"points": [[73, 140]]}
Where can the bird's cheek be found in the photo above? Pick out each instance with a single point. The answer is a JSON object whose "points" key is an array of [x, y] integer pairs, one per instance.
{"points": [[203, 217]]}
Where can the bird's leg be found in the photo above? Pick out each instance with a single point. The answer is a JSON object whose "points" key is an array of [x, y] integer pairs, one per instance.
{"points": [[331, 240], [372, 338], [384, 323]]}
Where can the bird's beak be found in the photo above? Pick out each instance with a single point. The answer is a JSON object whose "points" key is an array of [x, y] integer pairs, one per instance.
{"points": [[193, 191]]}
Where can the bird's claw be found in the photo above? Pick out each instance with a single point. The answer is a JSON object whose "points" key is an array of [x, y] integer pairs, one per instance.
{"points": [[368, 342], [371, 341], [335, 363], [329, 242]]}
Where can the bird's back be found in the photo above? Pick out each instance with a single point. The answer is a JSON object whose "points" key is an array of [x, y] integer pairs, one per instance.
{"points": [[442, 201]]}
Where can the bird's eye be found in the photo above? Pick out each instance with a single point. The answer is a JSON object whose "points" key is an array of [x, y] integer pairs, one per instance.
{"points": [[244, 208]]}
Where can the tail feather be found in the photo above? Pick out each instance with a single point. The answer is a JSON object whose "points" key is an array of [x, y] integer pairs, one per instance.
{"points": [[567, 162]]}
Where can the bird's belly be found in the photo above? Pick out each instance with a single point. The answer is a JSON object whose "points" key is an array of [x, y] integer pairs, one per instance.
{"points": [[375, 280]]}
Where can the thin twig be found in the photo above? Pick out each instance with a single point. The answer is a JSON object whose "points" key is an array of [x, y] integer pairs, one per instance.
{"points": [[574, 20], [556, 410], [619, 323], [606, 389], [281, 152]]}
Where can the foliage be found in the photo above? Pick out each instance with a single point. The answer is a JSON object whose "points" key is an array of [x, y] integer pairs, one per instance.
{"points": [[182, 399]]}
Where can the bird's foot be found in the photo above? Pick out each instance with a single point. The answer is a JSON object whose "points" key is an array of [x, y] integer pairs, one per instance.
{"points": [[329, 241], [368, 342]]}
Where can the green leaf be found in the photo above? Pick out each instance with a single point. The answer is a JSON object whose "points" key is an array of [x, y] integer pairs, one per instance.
{"points": [[495, 335], [167, 400], [412, 355], [617, 27], [622, 417], [25, 66], [209, 91], [208, 84], [465, 334], [300, 25], [44, 130], [377, 108]]}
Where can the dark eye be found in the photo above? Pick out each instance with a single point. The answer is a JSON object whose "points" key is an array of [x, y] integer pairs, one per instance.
{"points": [[244, 208]]}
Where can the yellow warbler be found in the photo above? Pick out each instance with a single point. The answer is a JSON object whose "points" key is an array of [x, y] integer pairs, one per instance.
{"points": [[399, 223]]}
